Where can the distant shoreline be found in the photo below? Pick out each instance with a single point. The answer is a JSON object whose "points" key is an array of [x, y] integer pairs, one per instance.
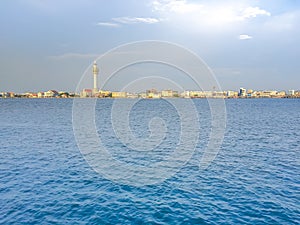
{"points": [[287, 97], [242, 93]]}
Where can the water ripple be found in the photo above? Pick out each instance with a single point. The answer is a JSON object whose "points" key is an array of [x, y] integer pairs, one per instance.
{"points": [[254, 180]]}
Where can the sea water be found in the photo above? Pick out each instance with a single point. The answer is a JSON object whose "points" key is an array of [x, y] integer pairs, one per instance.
{"points": [[255, 179]]}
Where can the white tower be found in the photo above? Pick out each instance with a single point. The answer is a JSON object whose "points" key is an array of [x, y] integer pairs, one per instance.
{"points": [[95, 73]]}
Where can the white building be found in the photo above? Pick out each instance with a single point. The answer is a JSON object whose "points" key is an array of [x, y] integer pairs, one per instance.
{"points": [[291, 92], [242, 92]]}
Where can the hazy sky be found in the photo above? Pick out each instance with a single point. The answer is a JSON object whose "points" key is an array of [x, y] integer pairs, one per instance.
{"points": [[48, 44]]}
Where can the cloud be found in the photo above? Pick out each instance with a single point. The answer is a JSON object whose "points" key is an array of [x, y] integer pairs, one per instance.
{"points": [[245, 37], [133, 20], [118, 21], [177, 6], [108, 24], [252, 12], [208, 13]]}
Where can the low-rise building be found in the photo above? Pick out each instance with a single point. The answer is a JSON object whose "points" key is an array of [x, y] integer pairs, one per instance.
{"points": [[132, 95], [242, 92], [232, 94], [197, 94], [104, 94], [40, 94], [281, 94], [169, 94], [86, 93], [154, 95], [118, 94], [218, 94], [185, 94], [51, 94], [142, 95], [291, 92]]}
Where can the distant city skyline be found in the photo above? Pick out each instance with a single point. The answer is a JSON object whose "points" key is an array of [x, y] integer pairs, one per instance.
{"points": [[49, 44], [156, 93]]}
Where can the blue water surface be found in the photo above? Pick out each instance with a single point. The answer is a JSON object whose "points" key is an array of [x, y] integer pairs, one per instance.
{"points": [[44, 179]]}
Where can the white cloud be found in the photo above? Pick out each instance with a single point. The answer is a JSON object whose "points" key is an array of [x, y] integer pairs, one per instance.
{"points": [[118, 21], [108, 24], [208, 13], [251, 12], [245, 37], [133, 20], [177, 6]]}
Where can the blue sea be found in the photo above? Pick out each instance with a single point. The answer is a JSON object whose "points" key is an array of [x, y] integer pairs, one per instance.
{"points": [[46, 179]]}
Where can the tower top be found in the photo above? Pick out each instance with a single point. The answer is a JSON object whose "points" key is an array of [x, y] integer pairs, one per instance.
{"points": [[95, 68]]}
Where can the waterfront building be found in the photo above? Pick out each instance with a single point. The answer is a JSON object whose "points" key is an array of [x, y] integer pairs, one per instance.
{"points": [[50, 94], [291, 92], [268, 94], [153, 93], [250, 93], [63, 94], [33, 95], [86, 93], [142, 95], [218, 94], [185, 94], [5, 94], [281, 94], [132, 95], [157, 95], [104, 94], [232, 94], [40, 94], [169, 94], [197, 94], [73, 94], [209, 94], [242, 92], [118, 94]]}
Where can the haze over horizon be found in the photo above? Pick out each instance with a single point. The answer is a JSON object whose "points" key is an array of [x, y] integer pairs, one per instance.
{"points": [[49, 44]]}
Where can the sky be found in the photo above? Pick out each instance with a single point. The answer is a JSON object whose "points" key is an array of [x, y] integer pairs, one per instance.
{"points": [[49, 44]]}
